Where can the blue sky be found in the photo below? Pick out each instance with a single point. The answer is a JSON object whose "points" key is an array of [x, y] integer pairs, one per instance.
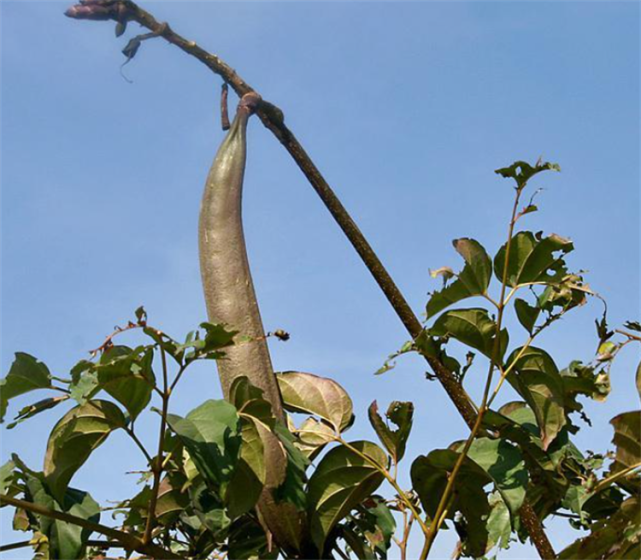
{"points": [[405, 107]]}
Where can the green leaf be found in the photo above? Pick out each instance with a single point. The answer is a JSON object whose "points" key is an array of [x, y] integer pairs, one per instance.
{"points": [[211, 435], [536, 378], [526, 314], [473, 279], [400, 414], [75, 437], [533, 259], [26, 374], [263, 458], [127, 376], [429, 478], [505, 464], [522, 172], [342, 480], [472, 327], [305, 392], [172, 501], [430, 474], [66, 540], [247, 541], [209, 509], [638, 379], [369, 529]]}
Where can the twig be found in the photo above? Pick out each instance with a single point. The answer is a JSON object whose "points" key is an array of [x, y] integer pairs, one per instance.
{"points": [[224, 107]]}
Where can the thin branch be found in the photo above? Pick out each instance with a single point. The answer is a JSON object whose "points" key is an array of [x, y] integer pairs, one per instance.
{"points": [[128, 540], [14, 546]]}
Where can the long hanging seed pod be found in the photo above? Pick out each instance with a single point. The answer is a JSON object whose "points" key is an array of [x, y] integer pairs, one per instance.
{"points": [[227, 282], [231, 299]]}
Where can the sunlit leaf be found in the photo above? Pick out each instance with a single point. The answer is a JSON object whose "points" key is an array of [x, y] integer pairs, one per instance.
{"points": [[26, 374], [342, 480], [76, 435], [473, 279], [323, 397]]}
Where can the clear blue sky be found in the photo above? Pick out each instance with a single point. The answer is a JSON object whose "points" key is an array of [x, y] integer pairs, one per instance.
{"points": [[406, 108]]}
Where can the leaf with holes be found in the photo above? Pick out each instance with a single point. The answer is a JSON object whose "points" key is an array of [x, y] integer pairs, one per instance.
{"points": [[533, 259], [305, 392], [74, 438], [522, 171], [473, 280], [342, 480]]}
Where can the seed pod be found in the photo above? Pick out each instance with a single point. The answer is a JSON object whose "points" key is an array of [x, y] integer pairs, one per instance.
{"points": [[227, 282], [231, 299]]}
